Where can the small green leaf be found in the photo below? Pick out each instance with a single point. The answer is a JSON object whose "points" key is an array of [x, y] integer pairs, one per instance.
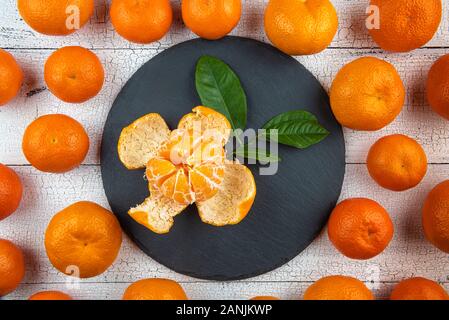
{"points": [[299, 134], [295, 115], [220, 89], [256, 154]]}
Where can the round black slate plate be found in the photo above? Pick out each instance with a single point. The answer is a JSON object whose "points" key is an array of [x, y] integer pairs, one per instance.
{"points": [[291, 207]]}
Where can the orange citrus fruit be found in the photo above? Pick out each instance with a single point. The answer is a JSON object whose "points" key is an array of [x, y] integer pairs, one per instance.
{"points": [[338, 288], [188, 168], [83, 240], [142, 21], [55, 143], [405, 25], [11, 77], [50, 295], [418, 289], [12, 267], [155, 289], [56, 17], [435, 216], [184, 166], [299, 27], [211, 19], [74, 74], [367, 94], [438, 87], [11, 190], [264, 298], [397, 162], [360, 228]]}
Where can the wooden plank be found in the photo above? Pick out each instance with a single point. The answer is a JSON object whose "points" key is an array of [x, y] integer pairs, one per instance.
{"points": [[99, 33], [416, 120], [195, 291], [408, 255]]}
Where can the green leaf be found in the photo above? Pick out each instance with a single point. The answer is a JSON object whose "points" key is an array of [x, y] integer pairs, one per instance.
{"points": [[299, 134], [256, 154], [295, 115], [219, 88]]}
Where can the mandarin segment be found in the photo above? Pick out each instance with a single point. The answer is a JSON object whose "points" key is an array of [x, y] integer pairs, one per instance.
{"points": [[158, 171], [177, 187], [189, 168], [206, 181]]}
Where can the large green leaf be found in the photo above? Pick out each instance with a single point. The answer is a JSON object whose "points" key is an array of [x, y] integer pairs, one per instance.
{"points": [[295, 115], [298, 133], [219, 88]]}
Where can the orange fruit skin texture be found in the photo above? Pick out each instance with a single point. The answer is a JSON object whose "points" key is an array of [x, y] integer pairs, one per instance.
{"points": [[397, 162], [418, 289], [360, 228], [211, 19], [84, 236], [406, 25], [299, 27], [74, 74], [143, 21], [338, 288], [265, 298], [50, 16], [155, 289], [11, 77], [367, 94], [435, 216], [11, 191], [438, 87], [55, 143], [12, 267], [50, 295]]}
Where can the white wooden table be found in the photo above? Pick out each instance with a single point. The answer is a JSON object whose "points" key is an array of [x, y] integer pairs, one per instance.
{"points": [[408, 255]]}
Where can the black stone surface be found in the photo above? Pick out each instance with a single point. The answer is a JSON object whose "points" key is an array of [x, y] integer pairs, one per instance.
{"points": [[291, 207]]}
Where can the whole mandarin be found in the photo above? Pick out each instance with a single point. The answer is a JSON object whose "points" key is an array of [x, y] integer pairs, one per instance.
{"points": [[155, 289], [367, 94], [397, 162], [338, 288], [11, 77], [360, 228]]}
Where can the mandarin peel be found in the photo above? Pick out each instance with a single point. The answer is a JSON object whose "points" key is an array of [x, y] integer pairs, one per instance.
{"points": [[188, 167]]}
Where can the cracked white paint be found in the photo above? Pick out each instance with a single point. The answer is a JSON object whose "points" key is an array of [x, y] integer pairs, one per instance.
{"points": [[45, 194]]}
